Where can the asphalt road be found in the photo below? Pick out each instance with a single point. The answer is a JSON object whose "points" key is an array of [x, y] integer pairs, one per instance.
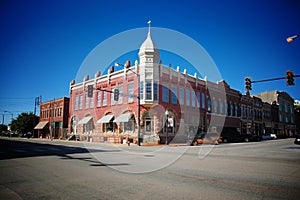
{"points": [[43, 169]]}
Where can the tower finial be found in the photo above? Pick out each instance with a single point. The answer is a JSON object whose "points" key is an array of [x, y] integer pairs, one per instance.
{"points": [[149, 24]]}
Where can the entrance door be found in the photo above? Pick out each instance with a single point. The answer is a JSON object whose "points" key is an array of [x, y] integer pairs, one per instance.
{"points": [[148, 126]]}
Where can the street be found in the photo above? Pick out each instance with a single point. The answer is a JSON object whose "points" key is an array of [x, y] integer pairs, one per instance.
{"points": [[44, 169]]}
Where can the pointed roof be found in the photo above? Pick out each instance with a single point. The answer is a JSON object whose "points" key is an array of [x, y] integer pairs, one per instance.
{"points": [[148, 45]]}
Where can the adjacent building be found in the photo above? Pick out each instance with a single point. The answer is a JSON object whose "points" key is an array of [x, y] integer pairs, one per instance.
{"points": [[285, 127], [53, 118]]}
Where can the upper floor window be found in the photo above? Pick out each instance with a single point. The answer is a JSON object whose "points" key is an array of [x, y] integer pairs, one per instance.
{"points": [[91, 102], [104, 100], [221, 107], [174, 94], [141, 90], [99, 98], [80, 101], [193, 98], [76, 102], [155, 91], [148, 90], [120, 101], [165, 93], [130, 92], [215, 106], [181, 96], [209, 105], [203, 100], [198, 99], [188, 96]]}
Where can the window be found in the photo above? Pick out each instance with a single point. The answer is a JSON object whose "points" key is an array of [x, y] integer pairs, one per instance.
{"points": [[193, 98], [209, 105], [148, 91], [92, 102], [236, 110], [87, 101], [155, 89], [221, 107], [231, 109], [174, 94], [130, 92], [99, 98], [80, 101], [215, 106], [165, 93], [112, 101], [76, 102], [181, 96], [141, 90], [198, 99], [280, 117], [188, 96], [104, 100], [285, 107], [292, 109], [203, 100], [120, 96]]}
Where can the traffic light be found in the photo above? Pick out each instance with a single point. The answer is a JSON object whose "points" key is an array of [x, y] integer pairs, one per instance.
{"points": [[116, 94], [248, 83], [90, 91], [290, 78]]}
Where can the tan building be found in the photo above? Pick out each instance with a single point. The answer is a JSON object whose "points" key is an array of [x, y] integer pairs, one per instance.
{"points": [[286, 124]]}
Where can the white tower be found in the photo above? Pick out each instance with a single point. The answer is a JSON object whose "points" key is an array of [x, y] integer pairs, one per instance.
{"points": [[149, 70]]}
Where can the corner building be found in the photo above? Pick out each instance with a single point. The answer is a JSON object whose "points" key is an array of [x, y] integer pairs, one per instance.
{"points": [[173, 104]]}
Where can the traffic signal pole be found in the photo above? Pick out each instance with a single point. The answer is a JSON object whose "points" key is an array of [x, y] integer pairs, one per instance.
{"points": [[289, 80], [273, 79]]}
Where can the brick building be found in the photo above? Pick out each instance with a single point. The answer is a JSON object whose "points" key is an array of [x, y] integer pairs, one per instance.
{"points": [[286, 119], [53, 118], [174, 105], [193, 105]]}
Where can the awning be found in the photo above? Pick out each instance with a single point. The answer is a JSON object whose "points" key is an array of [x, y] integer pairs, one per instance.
{"points": [[40, 125], [105, 119], [123, 118], [85, 120]]}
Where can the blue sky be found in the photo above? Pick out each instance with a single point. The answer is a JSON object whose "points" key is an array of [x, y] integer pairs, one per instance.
{"points": [[44, 42]]}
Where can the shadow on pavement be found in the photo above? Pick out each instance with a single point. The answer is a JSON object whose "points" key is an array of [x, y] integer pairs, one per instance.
{"points": [[11, 149]]}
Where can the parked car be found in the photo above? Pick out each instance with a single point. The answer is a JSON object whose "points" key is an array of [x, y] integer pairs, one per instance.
{"points": [[297, 139], [28, 134], [273, 136], [207, 138], [267, 136], [235, 136]]}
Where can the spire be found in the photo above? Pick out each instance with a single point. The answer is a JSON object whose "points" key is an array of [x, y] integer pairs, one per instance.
{"points": [[149, 25], [148, 45]]}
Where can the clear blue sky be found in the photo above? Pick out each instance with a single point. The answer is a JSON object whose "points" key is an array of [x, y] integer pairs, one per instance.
{"points": [[44, 42]]}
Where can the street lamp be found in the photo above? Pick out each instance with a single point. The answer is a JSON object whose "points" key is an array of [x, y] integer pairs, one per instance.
{"points": [[127, 65], [292, 38], [167, 126]]}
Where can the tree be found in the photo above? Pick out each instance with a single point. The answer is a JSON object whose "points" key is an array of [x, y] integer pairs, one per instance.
{"points": [[24, 123], [3, 128]]}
